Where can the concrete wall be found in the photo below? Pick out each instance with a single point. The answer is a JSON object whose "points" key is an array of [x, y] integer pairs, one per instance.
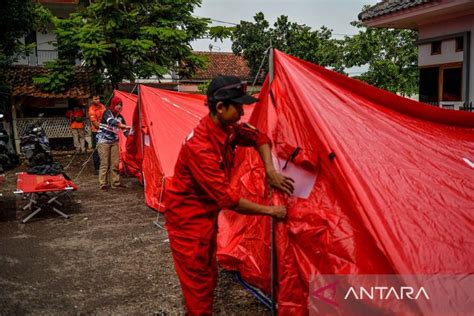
{"points": [[448, 54], [45, 49], [45, 40]]}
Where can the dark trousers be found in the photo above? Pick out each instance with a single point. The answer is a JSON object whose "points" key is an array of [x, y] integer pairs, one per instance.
{"points": [[95, 155]]}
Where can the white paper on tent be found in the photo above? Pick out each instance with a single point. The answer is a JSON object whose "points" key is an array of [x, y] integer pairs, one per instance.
{"points": [[146, 140], [304, 180]]}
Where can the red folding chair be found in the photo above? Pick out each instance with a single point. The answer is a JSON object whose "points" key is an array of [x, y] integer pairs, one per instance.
{"points": [[42, 191]]}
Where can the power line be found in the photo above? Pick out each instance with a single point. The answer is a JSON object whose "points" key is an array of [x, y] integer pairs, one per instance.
{"points": [[214, 20], [342, 34], [235, 24]]}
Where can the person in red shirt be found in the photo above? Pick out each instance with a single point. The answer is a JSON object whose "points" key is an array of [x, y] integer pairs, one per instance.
{"points": [[199, 189], [96, 111], [76, 118]]}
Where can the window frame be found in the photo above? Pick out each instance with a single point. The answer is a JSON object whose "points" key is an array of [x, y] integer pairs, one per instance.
{"points": [[457, 42], [436, 52]]}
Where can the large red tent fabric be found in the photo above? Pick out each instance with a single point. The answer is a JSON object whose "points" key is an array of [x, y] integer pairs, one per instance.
{"points": [[389, 180], [129, 101], [393, 187], [167, 117], [163, 119]]}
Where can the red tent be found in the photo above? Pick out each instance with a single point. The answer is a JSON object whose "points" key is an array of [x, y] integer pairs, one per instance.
{"points": [[167, 118], [390, 185], [385, 183], [129, 103]]}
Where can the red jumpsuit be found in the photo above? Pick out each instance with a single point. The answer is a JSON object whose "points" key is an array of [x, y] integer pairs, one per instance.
{"points": [[196, 194]]}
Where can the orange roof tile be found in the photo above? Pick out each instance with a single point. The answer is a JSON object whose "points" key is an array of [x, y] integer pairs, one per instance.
{"points": [[222, 64], [21, 80]]}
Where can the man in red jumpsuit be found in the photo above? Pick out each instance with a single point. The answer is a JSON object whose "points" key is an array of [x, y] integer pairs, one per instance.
{"points": [[200, 189]]}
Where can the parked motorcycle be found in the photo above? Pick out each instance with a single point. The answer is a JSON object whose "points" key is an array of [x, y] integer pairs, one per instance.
{"points": [[8, 158], [35, 146]]}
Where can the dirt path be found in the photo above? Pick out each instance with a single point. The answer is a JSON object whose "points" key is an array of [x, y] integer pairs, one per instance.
{"points": [[108, 258]]}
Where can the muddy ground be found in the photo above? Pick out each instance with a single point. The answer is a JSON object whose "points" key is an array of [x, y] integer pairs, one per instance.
{"points": [[107, 258]]}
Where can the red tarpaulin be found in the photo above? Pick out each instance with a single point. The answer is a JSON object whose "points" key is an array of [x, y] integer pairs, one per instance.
{"points": [[393, 187], [35, 183], [129, 103], [388, 181], [167, 118]]}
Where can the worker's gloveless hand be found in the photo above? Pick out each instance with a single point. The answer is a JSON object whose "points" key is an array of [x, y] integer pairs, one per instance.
{"points": [[278, 211], [279, 181], [123, 126]]}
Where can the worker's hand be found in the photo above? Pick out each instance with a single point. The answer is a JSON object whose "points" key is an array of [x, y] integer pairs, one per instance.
{"points": [[123, 126], [278, 211], [279, 181]]}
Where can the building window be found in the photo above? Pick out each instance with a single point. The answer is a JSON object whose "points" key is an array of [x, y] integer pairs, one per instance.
{"points": [[441, 83], [429, 83], [459, 44], [452, 84], [436, 48]]}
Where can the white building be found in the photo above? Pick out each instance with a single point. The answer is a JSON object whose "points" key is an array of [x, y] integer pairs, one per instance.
{"points": [[44, 41], [445, 47]]}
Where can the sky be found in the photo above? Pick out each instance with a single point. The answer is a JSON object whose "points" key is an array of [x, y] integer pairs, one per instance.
{"points": [[334, 14]]}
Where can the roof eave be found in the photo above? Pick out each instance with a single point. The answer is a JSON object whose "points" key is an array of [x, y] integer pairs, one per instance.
{"points": [[391, 21], [412, 18]]}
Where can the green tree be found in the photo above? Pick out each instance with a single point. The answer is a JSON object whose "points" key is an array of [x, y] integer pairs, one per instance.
{"points": [[391, 55], [130, 39], [15, 22], [253, 38], [202, 88]]}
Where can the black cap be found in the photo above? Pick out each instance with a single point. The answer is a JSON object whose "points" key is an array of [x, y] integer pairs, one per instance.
{"points": [[229, 88]]}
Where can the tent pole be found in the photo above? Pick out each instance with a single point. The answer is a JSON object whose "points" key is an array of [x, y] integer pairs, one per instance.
{"points": [[141, 132], [134, 87], [273, 257], [177, 75]]}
